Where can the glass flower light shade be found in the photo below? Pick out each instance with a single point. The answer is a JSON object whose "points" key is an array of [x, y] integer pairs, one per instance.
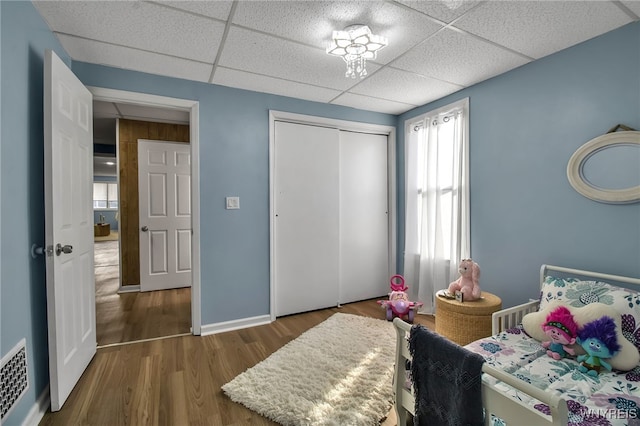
{"points": [[356, 44]]}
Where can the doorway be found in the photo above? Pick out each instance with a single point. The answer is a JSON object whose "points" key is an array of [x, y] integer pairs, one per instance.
{"points": [[124, 317], [123, 313], [164, 206]]}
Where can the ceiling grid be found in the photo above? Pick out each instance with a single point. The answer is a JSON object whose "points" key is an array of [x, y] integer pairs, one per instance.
{"points": [[435, 47]]}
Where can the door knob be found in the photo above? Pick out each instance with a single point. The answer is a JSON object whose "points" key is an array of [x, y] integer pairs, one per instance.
{"points": [[145, 228], [63, 249]]}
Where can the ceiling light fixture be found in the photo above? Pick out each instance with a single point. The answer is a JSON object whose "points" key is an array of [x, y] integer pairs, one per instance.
{"points": [[355, 45]]}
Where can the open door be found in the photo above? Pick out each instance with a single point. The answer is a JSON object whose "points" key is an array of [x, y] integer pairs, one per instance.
{"points": [[68, 166]]}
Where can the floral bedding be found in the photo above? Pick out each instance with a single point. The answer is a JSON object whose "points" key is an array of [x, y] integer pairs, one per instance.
{"points": [[611, 398]]}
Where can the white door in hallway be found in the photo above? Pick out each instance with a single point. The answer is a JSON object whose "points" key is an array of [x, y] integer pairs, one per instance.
{"points": [[68, 175], [164, 186]]}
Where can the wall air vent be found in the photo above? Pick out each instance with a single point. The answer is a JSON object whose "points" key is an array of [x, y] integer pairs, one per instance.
{"points": [[14, 377]]}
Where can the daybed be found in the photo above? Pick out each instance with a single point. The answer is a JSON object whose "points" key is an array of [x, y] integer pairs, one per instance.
{"points": [[521, 385]]}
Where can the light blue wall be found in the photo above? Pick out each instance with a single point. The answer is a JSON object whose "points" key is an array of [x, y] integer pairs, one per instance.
{"points": [[524, 127], [25, 37], [234, 161]]}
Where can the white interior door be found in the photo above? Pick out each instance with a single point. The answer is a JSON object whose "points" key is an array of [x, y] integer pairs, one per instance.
{"points": [[306, 219], [164, 185], [68, 148], [364, 219]]}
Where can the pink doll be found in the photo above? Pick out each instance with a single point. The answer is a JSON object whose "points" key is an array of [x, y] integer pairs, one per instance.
{"points": [[398, 304], [468, 282], [563, 330]]}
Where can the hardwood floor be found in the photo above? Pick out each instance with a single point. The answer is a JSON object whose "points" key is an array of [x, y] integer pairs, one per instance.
{"points": [[127, 317], [176, 381]]}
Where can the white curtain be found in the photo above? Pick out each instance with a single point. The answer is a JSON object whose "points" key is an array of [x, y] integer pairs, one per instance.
{"points": [[437, 200]]}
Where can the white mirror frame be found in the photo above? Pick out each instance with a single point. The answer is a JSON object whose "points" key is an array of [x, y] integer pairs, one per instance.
{"points": [[575, 169]]}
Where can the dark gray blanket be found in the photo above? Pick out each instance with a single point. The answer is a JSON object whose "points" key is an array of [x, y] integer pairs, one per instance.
{"points": [[446, 379]]}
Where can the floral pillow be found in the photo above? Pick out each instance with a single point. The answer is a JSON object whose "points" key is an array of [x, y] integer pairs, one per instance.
{"points": [[578, 293], [627, 358]]}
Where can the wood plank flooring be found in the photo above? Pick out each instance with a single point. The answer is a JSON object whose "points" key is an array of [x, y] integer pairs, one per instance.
{"points": [[127, 317], [176, 381]]}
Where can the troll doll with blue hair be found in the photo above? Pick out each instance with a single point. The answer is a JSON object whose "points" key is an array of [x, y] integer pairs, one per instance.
{"points": [[599, 340]]}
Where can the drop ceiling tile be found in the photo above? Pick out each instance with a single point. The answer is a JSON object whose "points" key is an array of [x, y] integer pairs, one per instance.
{"points": [[310, 22], [259, 53], [104, 109], [141, 25], [633, 5], [369, 103], [445, 11], [403, 28], [539, 28], [164, 115], [218, 9], [458, 58], [101, 168], [402, 86], [276, 86], [107, 111], [137, 60], [292, 60], [313, 22]]}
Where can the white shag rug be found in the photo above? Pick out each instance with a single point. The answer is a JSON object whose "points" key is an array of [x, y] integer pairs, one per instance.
{"points": [[339, 372]]}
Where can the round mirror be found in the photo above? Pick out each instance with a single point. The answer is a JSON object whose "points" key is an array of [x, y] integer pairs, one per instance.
{"points": [[576, 175]]}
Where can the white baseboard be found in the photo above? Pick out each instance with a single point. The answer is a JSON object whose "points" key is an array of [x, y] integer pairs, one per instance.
{"points": [[38, 410], [129, 289], [222, 327]]}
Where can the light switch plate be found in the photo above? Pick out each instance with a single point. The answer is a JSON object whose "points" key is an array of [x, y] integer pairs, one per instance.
{"points": [[233, 203]]}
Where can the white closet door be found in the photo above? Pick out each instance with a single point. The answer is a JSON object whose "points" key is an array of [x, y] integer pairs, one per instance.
{"points": [[306, 222], [364, 219]]}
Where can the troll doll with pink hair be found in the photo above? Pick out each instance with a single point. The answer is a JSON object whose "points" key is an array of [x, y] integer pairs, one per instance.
{"points": [[563, 331]]}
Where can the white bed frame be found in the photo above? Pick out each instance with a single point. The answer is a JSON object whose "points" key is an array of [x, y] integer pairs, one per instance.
{"points": [[512, 411]]}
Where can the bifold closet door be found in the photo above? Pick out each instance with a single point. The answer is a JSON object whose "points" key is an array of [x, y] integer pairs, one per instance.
{"points": [[306, 223], [364, 218]]}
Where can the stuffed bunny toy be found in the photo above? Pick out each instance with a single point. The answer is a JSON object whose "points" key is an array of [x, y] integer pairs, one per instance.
{"points": [[468, 282]]}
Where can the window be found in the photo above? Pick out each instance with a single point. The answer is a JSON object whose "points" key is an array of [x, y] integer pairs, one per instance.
{"points": [[105, 195], [437, 205], [439, 183]]}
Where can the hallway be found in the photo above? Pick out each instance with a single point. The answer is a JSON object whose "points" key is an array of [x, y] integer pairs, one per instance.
{"points": [[127, 317]]}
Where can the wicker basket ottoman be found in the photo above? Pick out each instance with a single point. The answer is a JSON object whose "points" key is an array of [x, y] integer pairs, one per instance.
{"points": [[467, 321]]}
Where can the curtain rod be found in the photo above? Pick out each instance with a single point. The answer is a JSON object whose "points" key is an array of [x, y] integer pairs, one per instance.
{"points": [[445, 118]]}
